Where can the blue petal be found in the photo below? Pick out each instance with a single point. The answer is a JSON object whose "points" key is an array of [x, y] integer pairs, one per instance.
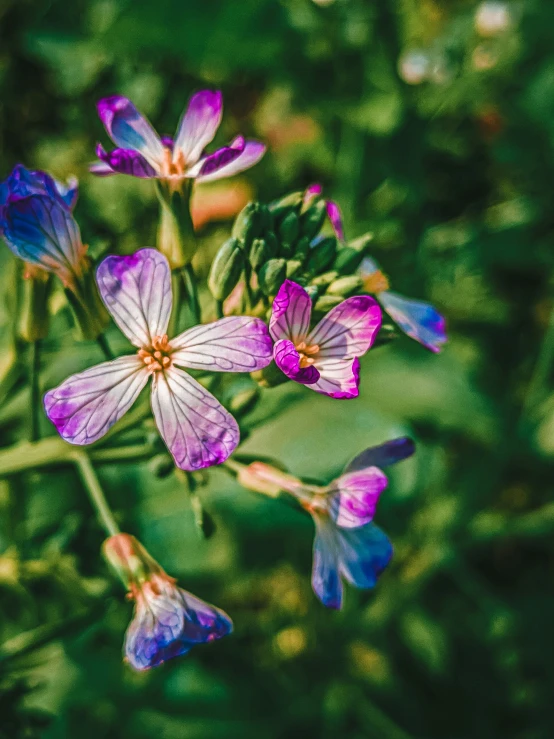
{"points": [[381, 456], [363, 554], [326, 581], [420, 321]]}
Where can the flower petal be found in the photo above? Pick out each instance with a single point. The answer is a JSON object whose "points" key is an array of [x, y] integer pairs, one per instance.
{"points": [[334, 214], [251, 154], [128, 129], [137, 291], [339, 378], [419, 320], [292, 309], [353, 498], [326, 581], [221, 158], [125, 161], [363, 554], [204, 622], [68, 192], [311, 193], [100, 169], [383, 455], [196, 428], [199, 124], [86, 405], [234, 344], [348, 330], [287, 359]]}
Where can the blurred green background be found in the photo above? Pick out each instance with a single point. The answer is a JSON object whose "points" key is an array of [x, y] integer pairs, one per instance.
{"points": [[432, 123]]}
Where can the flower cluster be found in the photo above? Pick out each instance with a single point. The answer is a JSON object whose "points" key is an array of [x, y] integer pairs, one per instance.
{"points": [[292, 302]]}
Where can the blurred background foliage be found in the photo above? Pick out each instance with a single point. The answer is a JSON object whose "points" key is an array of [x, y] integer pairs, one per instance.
{"points": [[432, 123]]}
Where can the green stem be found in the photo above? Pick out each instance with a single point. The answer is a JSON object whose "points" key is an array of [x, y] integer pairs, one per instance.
{"points": [[540, 374], [96, 494], [35, 389], [219, 308], [189, 278], [176, 285], [103, 344]]}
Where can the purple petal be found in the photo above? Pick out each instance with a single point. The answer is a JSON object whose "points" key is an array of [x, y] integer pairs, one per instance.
{"points": [[310, 193], [251, 154], [234, 344], [287, 359], [125, 161], [137, 292], [353, 497], [204, 622], [69, 192], [326, 581], [339, 378], [348, 330], [196, 428], [383, 455], [199, 124], [128, 129], [334, 214], [363, 554], [419, 320], [221, 158], [86, 405], [101, 169], [292, 309]]}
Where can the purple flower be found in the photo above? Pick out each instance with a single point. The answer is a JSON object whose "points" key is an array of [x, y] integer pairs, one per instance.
{"points": [[347, 544], [196, 428], [419, 320], [37, 224], [326, 357], [168, 621], [142, 153]]}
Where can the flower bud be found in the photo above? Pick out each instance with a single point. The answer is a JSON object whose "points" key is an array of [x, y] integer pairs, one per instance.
{"points": [[250, 223], [226, 269], [260, 253], [349, 257], [312, 219], [326, 302], [287, 232], [302, 248], [321, 255], [263, 478], [272, 275], [345, 286], [293, 267], [34, 317], [282, 207]]}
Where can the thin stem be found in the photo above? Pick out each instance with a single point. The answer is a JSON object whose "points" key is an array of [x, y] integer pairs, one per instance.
{"points": [[541, 371], [219, 308], [96, 494], [35, 389], [189, 279], [176, 285], [103, 344]]}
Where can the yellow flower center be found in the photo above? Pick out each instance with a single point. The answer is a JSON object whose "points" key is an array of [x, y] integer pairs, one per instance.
{"points": [[158, 356], [376, 283], [173, 166], [305, 351]]}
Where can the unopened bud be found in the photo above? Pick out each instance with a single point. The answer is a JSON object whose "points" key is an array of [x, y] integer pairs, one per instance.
{"points": [[312, 220], [326, 302], [226, 269], [302, 248], [321, 255], [282, 207], [345, 286], [250, 223], [34, 316], [272, 275], [324, 280], [287, 232], [349, 257], [293, 267], [260, 253]]}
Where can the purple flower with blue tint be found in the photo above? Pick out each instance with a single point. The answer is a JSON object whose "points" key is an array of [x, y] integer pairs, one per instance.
{"points": [[37, 224], [143, 153], [196, 428], [168, 621], [325, 357], [418, 320], [347, 544]]}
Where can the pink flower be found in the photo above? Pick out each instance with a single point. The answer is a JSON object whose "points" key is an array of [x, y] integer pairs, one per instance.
{"points": [[326, 357], [197, 429]]}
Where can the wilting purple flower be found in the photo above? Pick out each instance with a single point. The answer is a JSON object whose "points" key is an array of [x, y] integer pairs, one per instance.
{"points": [[347, 543], [197, 429], [168, 621], [142, 153], [326, 357], [37, 224], [419, 320]]}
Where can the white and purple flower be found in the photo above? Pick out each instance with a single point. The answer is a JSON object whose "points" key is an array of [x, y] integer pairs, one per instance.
{"points": [[324, 358], [347, 544], [143, 153], [196, 428], [168, 621]]}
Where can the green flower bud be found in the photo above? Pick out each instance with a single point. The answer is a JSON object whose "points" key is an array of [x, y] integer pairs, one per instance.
{"points": [[312, 220], [293, 266], [321, 255], [260, 253], [350, 257], [288, 231], [226, 269], [34, 317], [325, 279], [326, 302], [302, 248], [282, 207], [272, 275], [345, 286], [250, 223]]}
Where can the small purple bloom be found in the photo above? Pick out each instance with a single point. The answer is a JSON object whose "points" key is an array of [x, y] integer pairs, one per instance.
{"points": [[324, 358], [196, 428], [168, 621], [142, 153], [347, 544], [37, 224], [419, 320]]}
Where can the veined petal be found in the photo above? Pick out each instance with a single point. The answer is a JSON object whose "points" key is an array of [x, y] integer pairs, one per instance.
{"points": [[326, 581], [348, 330], [221, 158], [199, 124], [196, 428], [363, 554], [353, 497], [125, 161], [86, 405], [287, 359], [137, 292], [339, 378], [204, 622], [383, 455], [234, 344], [128, 129], [250, 155], [69, 192], [419, 320], [23, 182], [292, 309]]}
